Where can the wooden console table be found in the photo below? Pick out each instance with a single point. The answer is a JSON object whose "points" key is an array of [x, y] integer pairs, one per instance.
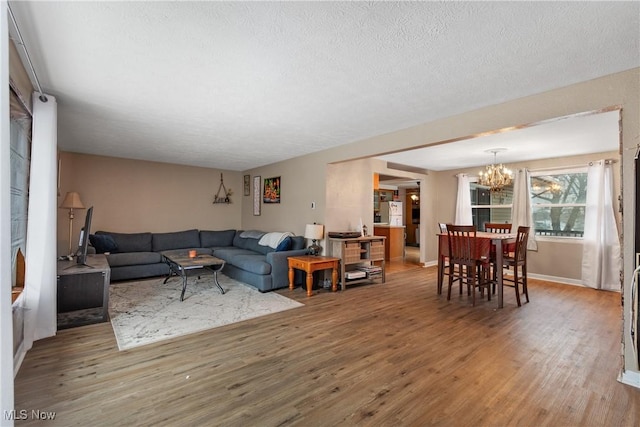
{"points": [[362, 253], [83, 292], [311, 263]]}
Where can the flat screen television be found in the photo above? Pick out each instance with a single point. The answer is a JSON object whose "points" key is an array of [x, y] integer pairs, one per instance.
{"points": [[83, 245]]}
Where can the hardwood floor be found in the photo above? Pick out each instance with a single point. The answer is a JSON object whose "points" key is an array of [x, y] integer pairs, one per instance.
{"points": [[380, 354]]}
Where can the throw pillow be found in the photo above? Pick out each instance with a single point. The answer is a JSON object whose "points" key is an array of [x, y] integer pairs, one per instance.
{"points": [[103, 243], [285, 245]]}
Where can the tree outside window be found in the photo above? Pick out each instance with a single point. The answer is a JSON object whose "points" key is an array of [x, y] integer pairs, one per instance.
{"points": [[558, 202]]}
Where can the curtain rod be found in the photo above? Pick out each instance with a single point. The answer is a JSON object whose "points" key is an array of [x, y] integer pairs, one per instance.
{"points": [[606, 162], [42, 97]]}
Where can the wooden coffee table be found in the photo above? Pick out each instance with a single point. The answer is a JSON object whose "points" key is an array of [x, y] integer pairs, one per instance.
{"points": [[180, 263], [311, 263]]}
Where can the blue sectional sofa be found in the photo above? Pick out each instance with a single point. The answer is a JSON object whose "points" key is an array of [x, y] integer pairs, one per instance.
{"points": [[139, 255]]}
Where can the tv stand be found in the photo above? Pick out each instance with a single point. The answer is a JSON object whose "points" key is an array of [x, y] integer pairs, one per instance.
{"points": [[83, 292]]}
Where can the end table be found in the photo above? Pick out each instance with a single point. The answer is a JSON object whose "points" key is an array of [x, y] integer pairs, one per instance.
{"points": [[311, 263]]}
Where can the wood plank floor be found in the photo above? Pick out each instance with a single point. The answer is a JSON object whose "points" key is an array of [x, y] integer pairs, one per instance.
{"points": [[381, 354]]}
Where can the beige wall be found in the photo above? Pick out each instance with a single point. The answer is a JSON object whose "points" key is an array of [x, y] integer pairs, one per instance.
{"points": [[301, 183], [133, 196]]}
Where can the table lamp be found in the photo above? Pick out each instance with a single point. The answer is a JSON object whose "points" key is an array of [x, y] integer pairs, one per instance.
{"points": [[71, 201], [314, 232]]}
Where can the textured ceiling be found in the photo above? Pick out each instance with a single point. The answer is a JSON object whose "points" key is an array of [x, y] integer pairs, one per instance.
{"points": [[237, 85], [571, 136]]}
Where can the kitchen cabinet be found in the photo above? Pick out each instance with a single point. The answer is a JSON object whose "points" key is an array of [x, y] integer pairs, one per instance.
{"points": [[394, 242]]}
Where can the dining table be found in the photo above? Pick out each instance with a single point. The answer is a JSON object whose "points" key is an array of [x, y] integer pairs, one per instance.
{"points": [[498, 240]]}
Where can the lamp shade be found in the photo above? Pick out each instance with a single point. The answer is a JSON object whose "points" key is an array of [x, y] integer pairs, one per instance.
{"points": [[314, 231], [72, 201]]}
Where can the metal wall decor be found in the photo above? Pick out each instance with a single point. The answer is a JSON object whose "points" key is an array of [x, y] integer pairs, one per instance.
{"points": [[223, 195]]}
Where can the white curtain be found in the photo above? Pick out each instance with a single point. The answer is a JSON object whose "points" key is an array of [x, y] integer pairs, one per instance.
{"points": [[521, 212], [601, 263], [40, 274], [464, 216]]}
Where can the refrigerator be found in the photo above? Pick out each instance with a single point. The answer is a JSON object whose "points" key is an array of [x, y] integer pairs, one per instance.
{"points": [[391, 213]]}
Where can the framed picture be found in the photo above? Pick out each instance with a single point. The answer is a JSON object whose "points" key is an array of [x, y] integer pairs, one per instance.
{"points": [[256, 195], [271, 190], [247, 185]]}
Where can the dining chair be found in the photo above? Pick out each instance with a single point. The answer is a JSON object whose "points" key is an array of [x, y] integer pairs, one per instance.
{"points": [[519, 264], [507, 248], [470, 258], [445, 255]]}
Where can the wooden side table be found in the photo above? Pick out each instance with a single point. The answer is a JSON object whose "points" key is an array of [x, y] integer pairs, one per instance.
{"points": [[311, 263]]}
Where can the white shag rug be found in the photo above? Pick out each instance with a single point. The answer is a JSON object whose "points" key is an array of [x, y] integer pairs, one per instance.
{"points": [[149, 311]]}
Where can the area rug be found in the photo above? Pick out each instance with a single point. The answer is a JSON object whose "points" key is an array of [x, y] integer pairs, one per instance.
{"points": [[149, 311]]}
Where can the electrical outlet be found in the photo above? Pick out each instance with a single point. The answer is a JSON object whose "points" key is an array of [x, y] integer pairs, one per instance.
{"points": [[313, 205]]}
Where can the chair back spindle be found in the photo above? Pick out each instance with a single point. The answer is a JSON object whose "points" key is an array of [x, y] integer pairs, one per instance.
{"points": [[493, 227]]}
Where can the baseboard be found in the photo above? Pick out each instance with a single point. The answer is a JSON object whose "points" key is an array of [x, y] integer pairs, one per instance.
{"points": [[629, 378], [563, 280]]}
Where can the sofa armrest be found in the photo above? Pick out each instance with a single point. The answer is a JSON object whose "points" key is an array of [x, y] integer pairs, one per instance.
{"points": [[280, 266]]}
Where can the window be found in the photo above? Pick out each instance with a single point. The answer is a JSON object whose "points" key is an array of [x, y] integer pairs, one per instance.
{"points": [[490, 207], [558, 202], [19, 160]]}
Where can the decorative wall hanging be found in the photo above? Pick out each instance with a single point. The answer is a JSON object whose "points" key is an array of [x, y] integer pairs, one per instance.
{"points": [[247, 185], [271, 190], [256, 195], [223, 195]]}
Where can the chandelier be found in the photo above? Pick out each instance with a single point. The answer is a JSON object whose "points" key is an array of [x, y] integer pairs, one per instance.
{"points": [[495, 176]]}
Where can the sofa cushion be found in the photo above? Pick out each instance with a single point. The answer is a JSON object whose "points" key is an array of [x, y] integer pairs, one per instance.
{"points": [[285, 245], [254, 245], [253, 263], [228, 253], [175, 240], [210, 239], [239, 242], [297, 242], [130, 242], [252, 234], [133, 258], [103, 243]]}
